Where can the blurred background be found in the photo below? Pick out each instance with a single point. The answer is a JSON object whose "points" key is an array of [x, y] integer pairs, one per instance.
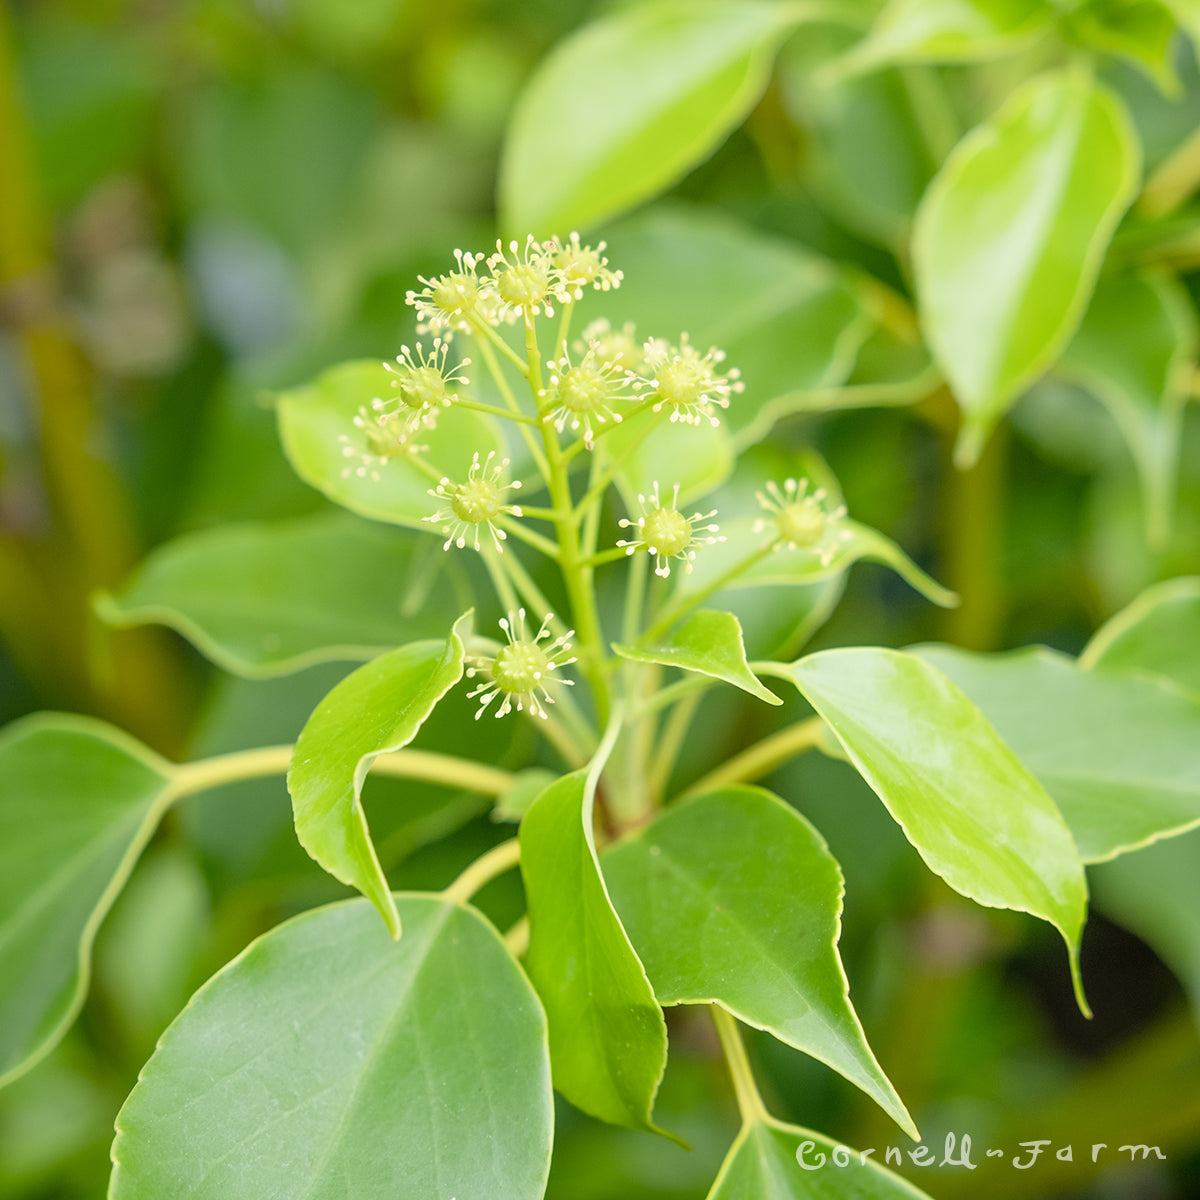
{"points": [[202, 201]]}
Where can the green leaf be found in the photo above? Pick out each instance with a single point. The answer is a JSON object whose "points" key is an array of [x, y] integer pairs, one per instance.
{"points": [[78, 802], [316, 426], [1010, 235], [788, 320], [1138, 335], [327, 1061], [762, 1165], [626, 105], [1159, 633], [1187, 14], [787, 567], [608, 1041], [270, 599], [732, 897], [1141, 31], [870, 160], [949, 31], [709, 643], [1119, 753], [375, 709], [976, 815], [1155, 893], [697, 457]]}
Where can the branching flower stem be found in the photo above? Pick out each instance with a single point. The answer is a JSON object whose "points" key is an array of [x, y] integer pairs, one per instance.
{"points": [[207, 773], [483, 870], [762, 758], [690, 601], [571, 560], [514, 408]]}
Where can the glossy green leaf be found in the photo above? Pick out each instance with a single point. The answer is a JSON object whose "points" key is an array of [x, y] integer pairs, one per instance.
{"points": [[1141, 31], [327, 1061], [697, 457], [1155, 893], [949, 31], [976, 815], [1137, 337], [626, 105], [890, 371], [870, 161], [608, 1041], [762, 1164], [1010, 235], [788, 320], [732, 897], [78, 802], [316, 426], [706, 642], [269, 599], [375, 709], [791, 566], [1158, 633], [1119, 753]]}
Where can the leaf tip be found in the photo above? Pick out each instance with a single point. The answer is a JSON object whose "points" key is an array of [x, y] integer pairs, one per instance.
{"points": [[1077, 980]]}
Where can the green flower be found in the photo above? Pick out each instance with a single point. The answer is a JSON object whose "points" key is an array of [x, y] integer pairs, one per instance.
{"points": [[521, 668], [666, 533]]}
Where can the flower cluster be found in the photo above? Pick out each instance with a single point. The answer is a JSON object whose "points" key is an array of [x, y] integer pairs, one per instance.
{"points": [[801, 519], [582, 394], [383, 436], [521, 668], [475, 503], [666, 533], [423, 385], [520, 282], [686, 382]]}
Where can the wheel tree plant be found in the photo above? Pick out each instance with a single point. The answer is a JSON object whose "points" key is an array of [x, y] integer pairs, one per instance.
{"points": [[585, 529]]}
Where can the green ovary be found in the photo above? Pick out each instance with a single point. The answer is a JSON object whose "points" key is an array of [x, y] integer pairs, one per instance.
{"points": [[680, 382], [520, 667], [802, 524], [667, 531], [581, 389], [423, 388], [523, 285], [476, 501]]}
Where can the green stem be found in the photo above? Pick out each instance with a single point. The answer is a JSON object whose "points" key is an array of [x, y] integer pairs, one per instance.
{"points": [[750, 1103], [483, 870], [208, 773], [505, 592], [541, 514], [576, 575], [1174, 180], [564, 328], [542, 545], [762, 758], [612, 554], [492, 410], [494, 339], [973, 538], [516, 940], [489, 359], [667, 696], [674, 734], [677, 610], [619, 460]]}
